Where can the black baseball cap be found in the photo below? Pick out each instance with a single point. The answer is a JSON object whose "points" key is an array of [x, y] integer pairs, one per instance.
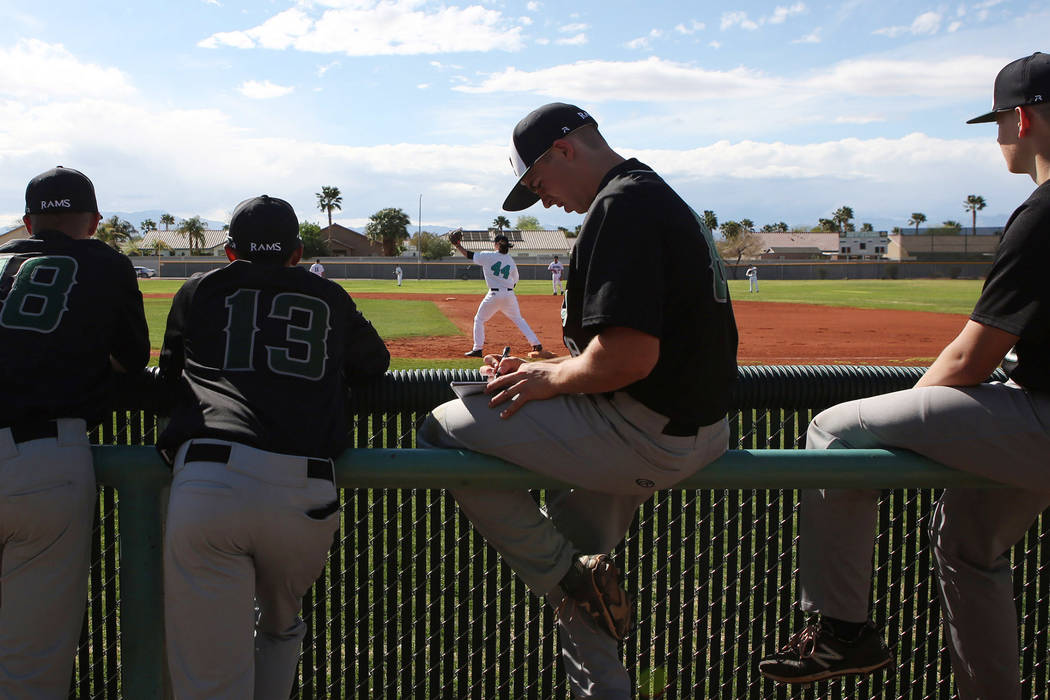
{"points": [[502, 237], [1025, 81], [532, 138], [264, 227], [60, 190]]}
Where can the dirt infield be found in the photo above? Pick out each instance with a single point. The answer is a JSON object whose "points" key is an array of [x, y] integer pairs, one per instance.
{"points": [[770, 332]]}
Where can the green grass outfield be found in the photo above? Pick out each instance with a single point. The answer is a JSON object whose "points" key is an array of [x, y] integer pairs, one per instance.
{"points": [[398, 319]]}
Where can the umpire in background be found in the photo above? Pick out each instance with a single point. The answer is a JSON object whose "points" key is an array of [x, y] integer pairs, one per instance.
{"points": [[998, 430], [259, 354], [70, 315], [638, 406]]}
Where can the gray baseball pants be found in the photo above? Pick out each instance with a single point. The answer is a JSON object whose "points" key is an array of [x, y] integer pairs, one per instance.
{"points": [[613, 452], [47, 501], [239, 536], [997, 430]]}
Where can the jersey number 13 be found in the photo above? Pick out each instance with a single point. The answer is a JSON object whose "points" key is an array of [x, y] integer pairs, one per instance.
{"points": [[309, 340]]}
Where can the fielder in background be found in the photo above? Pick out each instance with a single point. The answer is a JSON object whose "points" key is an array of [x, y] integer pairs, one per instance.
{"points": [[639, 406], [752, 279], [556, 270], [399, 273], [70, 315], [501, 276], [998, 430], [259, 355], [317, 268]]}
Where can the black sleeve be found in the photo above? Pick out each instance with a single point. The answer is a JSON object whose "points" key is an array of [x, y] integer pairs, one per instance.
{"points": [[130, 342], [366, 355], [625, 284], [1016, 288]]}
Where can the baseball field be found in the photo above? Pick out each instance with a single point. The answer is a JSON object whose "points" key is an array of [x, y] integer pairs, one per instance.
{"points": [[427, 324]]}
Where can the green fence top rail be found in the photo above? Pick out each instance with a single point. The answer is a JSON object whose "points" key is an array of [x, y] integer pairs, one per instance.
{"points": [[120, 466]]}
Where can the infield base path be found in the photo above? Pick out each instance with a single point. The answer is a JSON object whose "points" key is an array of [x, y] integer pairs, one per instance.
{"points": [[771, 333]]}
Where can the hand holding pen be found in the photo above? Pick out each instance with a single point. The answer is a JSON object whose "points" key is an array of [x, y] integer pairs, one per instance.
{"points": [[506, 352]]}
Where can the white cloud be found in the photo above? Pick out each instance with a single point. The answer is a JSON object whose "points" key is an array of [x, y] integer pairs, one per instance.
{"points": [[263, 90], [35, 70], [736, 18], [692, 28], [812, 38], [321, 70], [376, 27], [781, 13], [578, 40], [571, 28], [954, 27], [643, 42], [714, 44], [779, 16], [656, 79], [859, 119], [926, 23], [532, 6]]}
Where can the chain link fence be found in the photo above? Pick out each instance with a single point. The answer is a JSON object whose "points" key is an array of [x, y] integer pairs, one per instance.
{"points": [[414, 604]]}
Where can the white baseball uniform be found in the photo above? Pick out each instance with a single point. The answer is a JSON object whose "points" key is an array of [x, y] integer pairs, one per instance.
{"points": [[555, 269], [399, 273], [318, 269], [752, 279], [501, 275]]}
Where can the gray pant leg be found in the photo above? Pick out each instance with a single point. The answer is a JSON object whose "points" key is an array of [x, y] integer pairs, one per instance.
{"points": [[613, 449], [996, 430], [972, 531], [47, 499]]}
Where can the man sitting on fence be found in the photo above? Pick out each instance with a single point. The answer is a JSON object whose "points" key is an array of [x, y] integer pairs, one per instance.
{"points": [[639, 406], [71, 314], [259, 354], [998, 430]]}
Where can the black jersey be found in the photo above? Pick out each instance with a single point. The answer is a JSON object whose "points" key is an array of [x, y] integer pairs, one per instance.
{"points": [[644, 260], [66, 306], [262, 355], [1016, 294]]}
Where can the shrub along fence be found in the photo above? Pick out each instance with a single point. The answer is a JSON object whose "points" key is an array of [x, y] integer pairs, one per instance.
{"points": [[413, 604]]}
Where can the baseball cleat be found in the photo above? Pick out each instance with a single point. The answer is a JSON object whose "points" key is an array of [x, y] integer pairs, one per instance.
{"points": [[815, 654], [602, 597], [474, 353]]}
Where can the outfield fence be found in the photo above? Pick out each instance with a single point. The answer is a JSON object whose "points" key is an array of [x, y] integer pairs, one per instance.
{"points": [[413, 604], [536, 268]]}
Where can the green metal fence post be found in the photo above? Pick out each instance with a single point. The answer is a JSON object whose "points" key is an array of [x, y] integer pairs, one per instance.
{"points": [[139, 476]]}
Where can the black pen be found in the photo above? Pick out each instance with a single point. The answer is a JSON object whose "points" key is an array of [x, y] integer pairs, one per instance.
{"points": [[506, 351]]}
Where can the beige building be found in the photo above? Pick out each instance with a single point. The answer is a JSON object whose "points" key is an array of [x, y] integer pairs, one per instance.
{"points": [[178, 245], [345, 242], [526, 243], [796, 245], [955, 246]]}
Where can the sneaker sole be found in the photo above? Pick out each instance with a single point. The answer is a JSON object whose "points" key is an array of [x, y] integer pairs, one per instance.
{"points": [[825, 675]]}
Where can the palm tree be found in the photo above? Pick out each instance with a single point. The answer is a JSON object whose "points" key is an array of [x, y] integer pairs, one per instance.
{"points": [[710, 220], [147, 225], [167, 220], [747, 224], [115, 232], [193, 229], [973, 204], [329, 198], [500, 223], [842, 217], [917, 218]]}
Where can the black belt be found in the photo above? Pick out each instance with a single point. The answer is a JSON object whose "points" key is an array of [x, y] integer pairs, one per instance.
{"points": [[496, 289], [208, 452], [679, 428], [34, 430]]}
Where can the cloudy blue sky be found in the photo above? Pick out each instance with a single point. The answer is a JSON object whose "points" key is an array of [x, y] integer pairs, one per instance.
{"points": [[764, 110]]}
